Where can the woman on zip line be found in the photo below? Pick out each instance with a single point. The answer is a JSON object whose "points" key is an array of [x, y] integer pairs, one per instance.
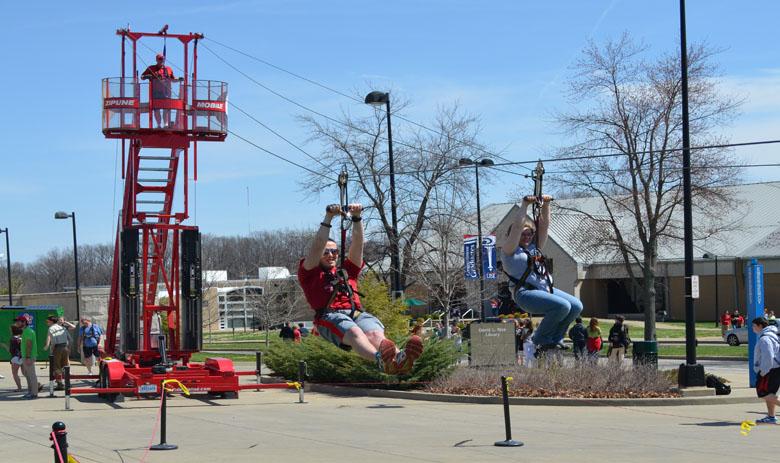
{"points": [[532, 284]]}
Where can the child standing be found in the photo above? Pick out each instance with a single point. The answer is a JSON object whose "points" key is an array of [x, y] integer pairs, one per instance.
{"points": [[529, 349], [594, 342]]}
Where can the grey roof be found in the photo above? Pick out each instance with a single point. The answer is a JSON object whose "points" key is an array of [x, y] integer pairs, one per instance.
{"points": [[751, 229]]}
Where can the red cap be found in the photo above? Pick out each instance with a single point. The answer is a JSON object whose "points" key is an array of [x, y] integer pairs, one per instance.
{"points": [[160, 56], [24, 318]]}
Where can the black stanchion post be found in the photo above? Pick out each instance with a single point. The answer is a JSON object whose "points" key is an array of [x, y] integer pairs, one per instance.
{"points": [[163, 445], [66, 374], [301, 380], [59, 440], [51, 375], [259, 366], [507, 424]]}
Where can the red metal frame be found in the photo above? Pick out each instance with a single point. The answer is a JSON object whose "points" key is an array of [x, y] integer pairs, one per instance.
{"points": [[160, 229]]}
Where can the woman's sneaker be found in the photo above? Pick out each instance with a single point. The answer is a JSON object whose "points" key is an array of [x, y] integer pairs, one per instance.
{"points": [[767, 420]]}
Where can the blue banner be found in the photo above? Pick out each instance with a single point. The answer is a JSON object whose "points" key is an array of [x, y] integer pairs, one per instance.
{"points": [[754, 295], [470, 257], [489, 270]]}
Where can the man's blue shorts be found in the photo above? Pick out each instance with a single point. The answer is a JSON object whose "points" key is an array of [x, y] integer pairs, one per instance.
{"points": [[333, 325]]}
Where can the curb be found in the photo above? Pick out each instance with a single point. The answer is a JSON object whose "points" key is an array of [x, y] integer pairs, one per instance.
{"points": [[682, 357], [549, 401]]}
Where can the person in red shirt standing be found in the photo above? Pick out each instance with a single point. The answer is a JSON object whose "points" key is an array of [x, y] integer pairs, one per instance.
{"points": [[332, 294], [725, 322], [296, 334], [160, 76]]}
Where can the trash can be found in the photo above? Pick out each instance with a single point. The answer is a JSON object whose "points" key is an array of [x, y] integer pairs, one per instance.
{"points": [[39, 313], [645, 353]]}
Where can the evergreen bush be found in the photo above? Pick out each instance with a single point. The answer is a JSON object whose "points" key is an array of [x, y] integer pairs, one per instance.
{"points": [[327, 363]]}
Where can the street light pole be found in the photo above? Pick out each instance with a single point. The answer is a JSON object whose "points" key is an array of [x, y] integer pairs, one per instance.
{"points": [[479, 251], [717, 293], [477, 164], [377, 99], [8, 265], [690, 373], [72, 215]]}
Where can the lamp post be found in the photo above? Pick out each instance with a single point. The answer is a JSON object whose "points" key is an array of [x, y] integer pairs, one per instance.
{"points": [[8, 266], [379, 99], [477, 164], [708, 255], [690, 374], [72, 215]]}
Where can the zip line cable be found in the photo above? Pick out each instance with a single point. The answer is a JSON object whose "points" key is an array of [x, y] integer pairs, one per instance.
{"points": [[358, 100], [496, 166], [282, 158], [279, 135], [313, 111]]}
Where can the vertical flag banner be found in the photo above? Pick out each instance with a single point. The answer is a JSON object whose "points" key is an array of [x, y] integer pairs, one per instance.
{"points": [[754, 300], [489, 270], [470, 257]]}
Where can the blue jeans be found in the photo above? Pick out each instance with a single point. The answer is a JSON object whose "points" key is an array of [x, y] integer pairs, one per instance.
{"points": [[559, 309]]}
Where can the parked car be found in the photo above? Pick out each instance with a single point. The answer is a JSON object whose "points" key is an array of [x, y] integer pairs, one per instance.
{"points": [[736, 336]]}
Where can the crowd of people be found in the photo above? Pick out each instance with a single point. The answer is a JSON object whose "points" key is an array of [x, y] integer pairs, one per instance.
{"points": [[23, 349]]}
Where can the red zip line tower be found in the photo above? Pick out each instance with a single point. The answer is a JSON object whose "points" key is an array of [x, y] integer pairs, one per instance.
{"points": [[157, 117]]}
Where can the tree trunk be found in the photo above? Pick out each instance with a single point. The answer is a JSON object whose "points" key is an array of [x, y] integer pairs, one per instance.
{"points": [[648, 299]]}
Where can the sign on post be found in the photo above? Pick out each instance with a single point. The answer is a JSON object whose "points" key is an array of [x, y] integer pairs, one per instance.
{"points": [[695, 286], [489, 270], [754, 294], [470, 257]]}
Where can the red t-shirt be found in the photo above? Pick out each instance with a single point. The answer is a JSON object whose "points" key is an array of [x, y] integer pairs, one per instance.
{"points": [[317, 286], [725, 319], [160, 78]]}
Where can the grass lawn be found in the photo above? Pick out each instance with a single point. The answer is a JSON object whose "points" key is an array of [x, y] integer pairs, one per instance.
{"points": [[248, 346], [707, 351]]}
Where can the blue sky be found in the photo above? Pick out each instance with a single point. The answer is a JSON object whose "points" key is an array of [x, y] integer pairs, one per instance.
{"points": [[506, 61]]}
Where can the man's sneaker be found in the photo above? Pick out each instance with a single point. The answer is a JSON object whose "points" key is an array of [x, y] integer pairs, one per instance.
{"points": [[59, 387], [405, 359], [387, 354], [767, 420]]}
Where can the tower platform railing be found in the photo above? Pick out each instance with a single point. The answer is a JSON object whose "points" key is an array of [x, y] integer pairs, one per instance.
{"points": [[132, 107]]}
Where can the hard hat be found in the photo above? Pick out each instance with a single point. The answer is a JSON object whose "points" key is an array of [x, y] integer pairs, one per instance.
{"points": [[160, 56]]}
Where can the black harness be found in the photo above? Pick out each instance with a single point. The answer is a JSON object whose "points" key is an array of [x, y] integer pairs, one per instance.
{"points": [[536, 264]]}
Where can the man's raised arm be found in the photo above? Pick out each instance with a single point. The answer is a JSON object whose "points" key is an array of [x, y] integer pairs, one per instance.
{"points": [[321, 238]]}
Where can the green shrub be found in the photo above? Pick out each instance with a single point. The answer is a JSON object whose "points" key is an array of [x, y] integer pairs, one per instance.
{"points": [[327, 363], [378, 303]]}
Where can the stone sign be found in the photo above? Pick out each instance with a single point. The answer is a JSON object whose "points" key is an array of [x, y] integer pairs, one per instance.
{"points": [[493, 344]]}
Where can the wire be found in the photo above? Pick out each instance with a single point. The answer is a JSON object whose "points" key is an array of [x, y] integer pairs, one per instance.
{"points": [[279, 135], [314, 111], [358, 100], [282, 158]]}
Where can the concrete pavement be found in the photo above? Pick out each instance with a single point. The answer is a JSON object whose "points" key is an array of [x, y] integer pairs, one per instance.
{"points": [[271, 426]]}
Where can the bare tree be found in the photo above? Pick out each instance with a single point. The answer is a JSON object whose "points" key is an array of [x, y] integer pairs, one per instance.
{"points": [[630, 104], [424, 161], [280, 301], [439, 263]]}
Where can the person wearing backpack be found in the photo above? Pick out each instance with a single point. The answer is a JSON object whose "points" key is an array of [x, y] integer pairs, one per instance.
{"points": [[618, 340], [579, 336], [90, 337], [766, 362]]}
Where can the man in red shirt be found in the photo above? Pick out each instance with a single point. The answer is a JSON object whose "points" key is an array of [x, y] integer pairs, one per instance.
{"points": [[339, 317], [160, 76]]}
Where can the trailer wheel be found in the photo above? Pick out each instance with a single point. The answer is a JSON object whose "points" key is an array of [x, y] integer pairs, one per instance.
{"points": [[104, 382]]}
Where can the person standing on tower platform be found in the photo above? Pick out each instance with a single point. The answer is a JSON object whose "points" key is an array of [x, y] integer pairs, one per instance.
{"points": [[331, 290], [160, 76]]}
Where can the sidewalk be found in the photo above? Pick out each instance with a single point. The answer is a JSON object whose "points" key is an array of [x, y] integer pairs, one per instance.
{"points": [[271, 426]]}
